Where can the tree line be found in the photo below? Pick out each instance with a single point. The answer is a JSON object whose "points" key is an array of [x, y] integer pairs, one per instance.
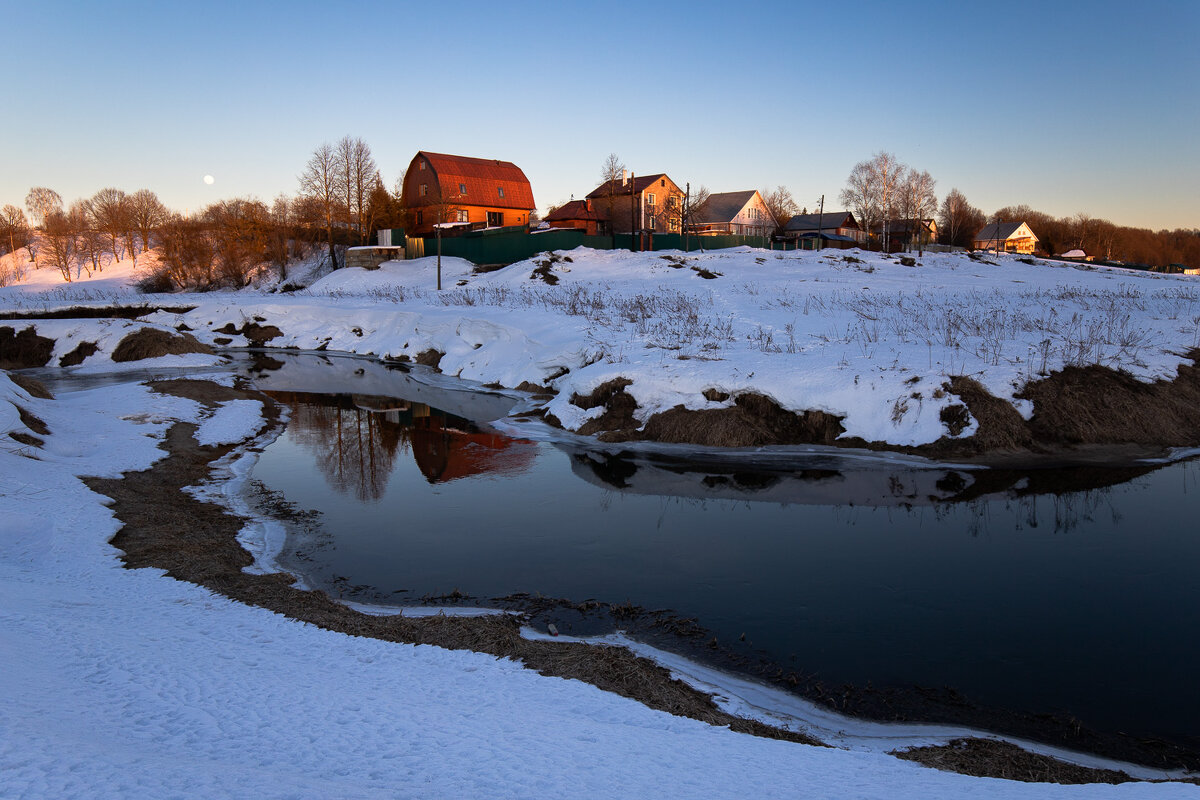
{"points": [[883, 188], [341, 199]]}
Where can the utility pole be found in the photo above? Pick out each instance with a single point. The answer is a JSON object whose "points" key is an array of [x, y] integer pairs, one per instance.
{"points": [[633, 215], [687, 199], [820, 221], [438, 236]]}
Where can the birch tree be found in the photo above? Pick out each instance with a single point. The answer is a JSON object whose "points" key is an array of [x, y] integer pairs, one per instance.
{"points": [[42, 202], [320, 183], [917, 203]]}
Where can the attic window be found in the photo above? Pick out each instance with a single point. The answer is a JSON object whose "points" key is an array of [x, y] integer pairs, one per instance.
{"points": [[424, 189], [663, 183], [500, 189], [422, 164], [462, 188]]}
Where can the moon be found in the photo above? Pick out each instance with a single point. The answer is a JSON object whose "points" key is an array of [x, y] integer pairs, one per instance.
{"points": [[209, 179]]}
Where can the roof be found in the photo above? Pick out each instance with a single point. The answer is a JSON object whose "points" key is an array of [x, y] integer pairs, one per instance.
{"points": [[903, 225], [828, 220], [639, 184], [576, 209], [723, 207], [482, 177], [1006, 229]]}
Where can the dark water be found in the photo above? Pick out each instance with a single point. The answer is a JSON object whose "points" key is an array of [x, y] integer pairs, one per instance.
{"points": [[1066, 592]]}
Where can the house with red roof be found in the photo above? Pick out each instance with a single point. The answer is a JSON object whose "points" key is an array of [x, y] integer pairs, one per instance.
{"points": [[581, 214], [461, 191]]}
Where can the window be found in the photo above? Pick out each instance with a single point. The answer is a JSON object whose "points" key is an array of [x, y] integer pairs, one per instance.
{"points": [[500, 189], [462, 188], [495, 219], [424, 190], [420, 218], [652, 223], [650, 199], [460, 215], [663, 183], [422, 164]]}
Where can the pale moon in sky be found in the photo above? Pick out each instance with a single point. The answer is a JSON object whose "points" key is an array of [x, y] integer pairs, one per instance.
{"points": [[209, 179]]}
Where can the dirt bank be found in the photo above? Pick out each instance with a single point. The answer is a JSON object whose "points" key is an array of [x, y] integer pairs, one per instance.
{"points": [[1081, 416]]}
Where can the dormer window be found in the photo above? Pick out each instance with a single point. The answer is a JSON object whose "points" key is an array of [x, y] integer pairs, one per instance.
{"points": [[422, 165], [500, 189], [462, 188]]}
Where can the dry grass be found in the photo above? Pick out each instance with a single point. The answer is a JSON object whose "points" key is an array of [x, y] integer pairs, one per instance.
{"points": [[34, 387], [153, 343], [988, 758]]}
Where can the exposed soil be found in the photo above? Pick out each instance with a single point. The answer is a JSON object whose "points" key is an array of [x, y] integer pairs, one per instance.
{"points": [[257, 335], [153, 343], [76, 357], [1082, 415], [19, 350], [988, 758], [34, 387], [430, 358], [106, 312]]}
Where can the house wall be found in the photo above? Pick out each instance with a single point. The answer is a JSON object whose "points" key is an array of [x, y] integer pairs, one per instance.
{"points": [[664, 220], [754, 219]]}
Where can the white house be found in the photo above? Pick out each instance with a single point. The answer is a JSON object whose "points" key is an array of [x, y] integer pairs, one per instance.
{"points": [[1008, 237]]}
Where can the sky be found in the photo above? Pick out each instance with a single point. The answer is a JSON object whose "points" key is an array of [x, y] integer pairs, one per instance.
{"points": [[1067, 107]]}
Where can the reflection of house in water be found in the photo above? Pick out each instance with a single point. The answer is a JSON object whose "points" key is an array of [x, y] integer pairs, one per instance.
{"points": [[355, 439], [446, 447]]}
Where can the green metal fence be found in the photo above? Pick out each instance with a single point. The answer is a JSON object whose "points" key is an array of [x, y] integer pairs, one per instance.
{"points": [[509, 245]]}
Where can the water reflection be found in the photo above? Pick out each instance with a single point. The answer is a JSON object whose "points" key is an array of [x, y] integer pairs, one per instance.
{"points": [[355, 440], [1064, 592]]}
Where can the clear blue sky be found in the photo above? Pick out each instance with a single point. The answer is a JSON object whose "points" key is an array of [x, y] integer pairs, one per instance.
{"points": [[1065, 106]]}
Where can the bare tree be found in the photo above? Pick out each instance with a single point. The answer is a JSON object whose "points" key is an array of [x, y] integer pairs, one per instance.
{"points": [[358, 177], [917, 203], [42, 202], [14, 228], [146, 214], [612, 172], [320, 182], [187, 253], [89, 242], [279, 239], [240, 232], [781, 204], [872, 191], [958, 220], [110, 213], [59, 234]]}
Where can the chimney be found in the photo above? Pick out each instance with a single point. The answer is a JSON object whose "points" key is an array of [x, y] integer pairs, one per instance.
{"points": [[588, 204], [624, 177]]}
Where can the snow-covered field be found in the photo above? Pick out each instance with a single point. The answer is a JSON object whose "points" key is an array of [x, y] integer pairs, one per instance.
{"points": [[123, 683]]}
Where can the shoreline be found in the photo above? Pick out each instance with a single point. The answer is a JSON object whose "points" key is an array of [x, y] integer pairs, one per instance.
{"points": [[145, 502]]}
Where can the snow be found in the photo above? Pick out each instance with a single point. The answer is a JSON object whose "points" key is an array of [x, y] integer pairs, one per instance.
{"points": [[125, 683]]}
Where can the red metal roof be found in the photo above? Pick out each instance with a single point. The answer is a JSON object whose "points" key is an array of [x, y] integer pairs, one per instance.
{"points": [[576, 209], [482, 177]]}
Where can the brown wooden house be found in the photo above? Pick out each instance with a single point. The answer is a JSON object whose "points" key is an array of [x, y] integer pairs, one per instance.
{"points": [[460, 191], [581, 214]]}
